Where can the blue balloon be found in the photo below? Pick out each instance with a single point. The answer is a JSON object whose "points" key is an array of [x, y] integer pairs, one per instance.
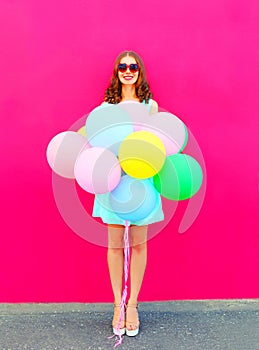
{"points": [[134, 199], [107, 126]]}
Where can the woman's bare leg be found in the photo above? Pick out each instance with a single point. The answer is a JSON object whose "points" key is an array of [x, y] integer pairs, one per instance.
{"points": [[115, 257], [138, 263]]}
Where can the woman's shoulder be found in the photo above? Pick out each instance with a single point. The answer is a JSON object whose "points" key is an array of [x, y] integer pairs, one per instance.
{"points": [[153, 102], [153, 106]]}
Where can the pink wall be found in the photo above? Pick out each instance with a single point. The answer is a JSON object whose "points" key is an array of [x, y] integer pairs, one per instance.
{"points": [[56, 61]]}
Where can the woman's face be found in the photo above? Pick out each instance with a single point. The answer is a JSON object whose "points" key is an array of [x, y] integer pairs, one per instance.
{"points": [[128, 77]]}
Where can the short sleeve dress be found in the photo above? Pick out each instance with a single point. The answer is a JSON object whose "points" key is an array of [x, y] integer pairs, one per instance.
{"points": [[100, 208]]}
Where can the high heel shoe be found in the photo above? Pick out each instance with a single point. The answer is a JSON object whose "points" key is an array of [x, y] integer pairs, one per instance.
{"points": [[132, 332], [115, 321]]}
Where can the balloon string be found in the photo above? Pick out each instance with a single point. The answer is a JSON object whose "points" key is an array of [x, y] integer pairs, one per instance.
{"points": [[126, 274]]}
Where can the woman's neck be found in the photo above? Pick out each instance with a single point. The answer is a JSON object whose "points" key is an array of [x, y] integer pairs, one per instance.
{"points": [[128, 92]]}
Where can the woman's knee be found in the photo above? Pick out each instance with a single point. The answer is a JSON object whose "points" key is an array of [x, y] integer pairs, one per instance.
{"points": [[115, 237], [139, 247], [115, 244], [138, 237]]}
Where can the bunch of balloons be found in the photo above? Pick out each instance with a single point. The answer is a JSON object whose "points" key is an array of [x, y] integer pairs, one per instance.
{"points": [[129, 156]]}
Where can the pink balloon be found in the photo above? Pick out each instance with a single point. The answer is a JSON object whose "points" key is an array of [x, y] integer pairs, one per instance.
{"points": [[63, 150], [97, 170]]}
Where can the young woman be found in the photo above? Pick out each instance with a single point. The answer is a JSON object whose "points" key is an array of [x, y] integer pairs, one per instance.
{"points": [[128, 83]]}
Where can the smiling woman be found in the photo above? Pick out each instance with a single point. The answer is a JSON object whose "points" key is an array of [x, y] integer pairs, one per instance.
{"points": [[128, 83]]}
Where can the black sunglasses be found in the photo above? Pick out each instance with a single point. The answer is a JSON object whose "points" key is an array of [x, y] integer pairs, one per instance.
{"points": [[133, 67]]}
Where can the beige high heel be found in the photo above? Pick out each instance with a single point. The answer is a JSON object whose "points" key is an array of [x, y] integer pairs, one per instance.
{"points": [[115, 322], [132, 332]]}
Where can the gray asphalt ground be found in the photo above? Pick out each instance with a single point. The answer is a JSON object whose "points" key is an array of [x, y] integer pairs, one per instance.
{"points": [[176, 325]]}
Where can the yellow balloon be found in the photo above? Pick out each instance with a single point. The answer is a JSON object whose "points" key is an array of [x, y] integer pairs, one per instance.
{"points": [[82, 131], [142, 154]]}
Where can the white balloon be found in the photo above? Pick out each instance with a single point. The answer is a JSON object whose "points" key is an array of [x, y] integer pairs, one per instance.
{"points": [[169, 128]]}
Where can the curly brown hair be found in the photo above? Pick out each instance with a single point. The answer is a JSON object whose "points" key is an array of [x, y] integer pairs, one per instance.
{"points": [[113, 92]]}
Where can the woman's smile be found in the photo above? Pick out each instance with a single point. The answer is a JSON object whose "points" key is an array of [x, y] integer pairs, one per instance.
{"points": [[128, 77]]}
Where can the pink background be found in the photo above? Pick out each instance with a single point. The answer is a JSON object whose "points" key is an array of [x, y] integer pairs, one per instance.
{"points": [[56, 61]]}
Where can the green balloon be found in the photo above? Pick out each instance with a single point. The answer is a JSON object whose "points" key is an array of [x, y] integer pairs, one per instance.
{"points": [[180, 178]]}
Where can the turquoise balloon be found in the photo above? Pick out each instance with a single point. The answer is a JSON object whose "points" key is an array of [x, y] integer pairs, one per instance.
{"points": [[180, 178], [107, 126], [134, 199]]}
